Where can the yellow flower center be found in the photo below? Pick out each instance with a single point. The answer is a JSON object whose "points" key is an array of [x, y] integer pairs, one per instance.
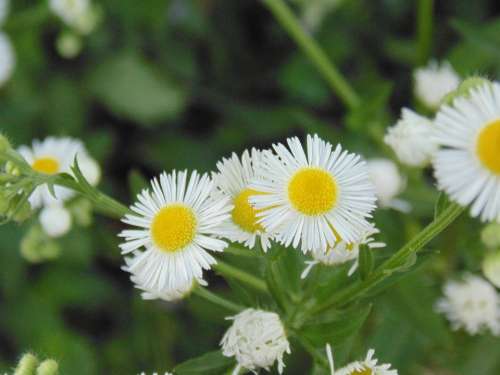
{"points": [[46, 165], [488, 146], [173, 227], [243, 214], [362, 372], [312, 191]]}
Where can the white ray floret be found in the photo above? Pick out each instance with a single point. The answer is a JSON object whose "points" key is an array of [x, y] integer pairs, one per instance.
{"points": [[233, 180], [411, 140], [342, 252], [257, 340], [472, 304], [468, 165], [56, 155], [434, 81], [368, 366], [175, 226], [312, 198]]}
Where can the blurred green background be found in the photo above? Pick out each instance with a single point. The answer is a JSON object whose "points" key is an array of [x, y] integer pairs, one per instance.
{"points": [[165, 84]]}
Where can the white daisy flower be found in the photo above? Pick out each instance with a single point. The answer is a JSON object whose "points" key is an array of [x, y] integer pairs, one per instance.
{"points": [[55, 220], [233, 180], [343, 252], [434, 81], [367, 367], [491, 267], [388, 183], [313, 197], [257, 339], [468, 165], [411, 140], [472, 304], [178, 293], [55, 155], [7, 59], [4, 10], [176, 224]]}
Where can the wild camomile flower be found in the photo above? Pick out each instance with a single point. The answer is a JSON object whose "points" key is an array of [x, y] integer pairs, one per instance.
{"points": [[468, 165], [433, 82], [342, 252], [175, 294], [313, 197], [257, 339], [233, 181], [175, 224], [367, 367], [472, 304], [57, 155], [388, 183], [7, 59], [55, 220], [410, 139]]}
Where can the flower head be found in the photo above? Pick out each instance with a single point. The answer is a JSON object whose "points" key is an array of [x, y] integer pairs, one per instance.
{"points": [[55, 220], [388, 183], [312, 198], [472, 304], [468, 165], [56, 155], [411, 140], [233, 180], [433, 82], [175, 225], [7, 59], [257, 339], [367, 367]]}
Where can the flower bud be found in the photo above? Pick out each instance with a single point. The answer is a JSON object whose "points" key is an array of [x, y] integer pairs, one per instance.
{"points": [[69, 44], [491, 267], [464, 88], [48, 367], [37, 247], [24, 213], [490, 235], [27, 365], [4, 143]]}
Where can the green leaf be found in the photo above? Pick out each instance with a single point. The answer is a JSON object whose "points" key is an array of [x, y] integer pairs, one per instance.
{"points": [[210, 363], [130, 88], [365, 262]]}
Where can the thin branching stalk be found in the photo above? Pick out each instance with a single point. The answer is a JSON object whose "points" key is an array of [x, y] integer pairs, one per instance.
{"points": [[246, 278], [217, 300], [425, 13]]}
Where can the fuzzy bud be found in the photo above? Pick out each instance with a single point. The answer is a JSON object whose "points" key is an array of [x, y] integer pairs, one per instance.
{"points": [[48, 367], [27, 365], [490, 235], [491, 267]]}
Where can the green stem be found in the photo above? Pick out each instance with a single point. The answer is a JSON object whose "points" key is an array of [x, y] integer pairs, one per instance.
{"points": [[217, 300], [424, 30], [230, 271], [310, 47], [445, 218], [313, 352]]}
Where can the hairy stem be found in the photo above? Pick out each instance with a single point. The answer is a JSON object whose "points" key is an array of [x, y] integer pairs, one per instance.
{"points": [[229, 271], [217, 300], [310, 47]]}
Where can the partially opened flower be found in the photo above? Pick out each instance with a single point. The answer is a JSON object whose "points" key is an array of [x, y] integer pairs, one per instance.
{"points": [[175, 226], [434, 81], [7, 59], [468, 165], [368, 366], [388, 183], [411, 140], [472, 304], [233, 181], [57, 155], [257, 339], [343, 252], [315, 197]]}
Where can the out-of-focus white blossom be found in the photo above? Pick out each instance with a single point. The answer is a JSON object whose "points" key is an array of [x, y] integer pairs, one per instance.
{"points": [[434, 81], [7, 59], [55, 220]]}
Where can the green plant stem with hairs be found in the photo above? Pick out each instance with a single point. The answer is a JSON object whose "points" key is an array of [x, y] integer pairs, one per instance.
{"points": [[425, 12]]}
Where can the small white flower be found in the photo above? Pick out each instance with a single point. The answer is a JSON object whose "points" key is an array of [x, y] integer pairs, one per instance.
{"points": [[55, 220], [175, 224], [468, 165], [388, 183], [367, 367], [55, 155], [315, 196], [4, 10], [343, 252], [257, 339], [70, 11], [178, 293], [491, 267], [233, 181], [472, 304], [411, 140], [433, 82], [7, 59]]}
